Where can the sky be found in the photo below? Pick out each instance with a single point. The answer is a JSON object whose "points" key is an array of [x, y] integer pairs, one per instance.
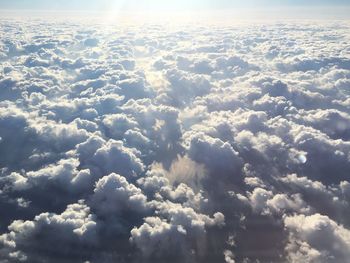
{"points": [[154, 5], [174, 140]]}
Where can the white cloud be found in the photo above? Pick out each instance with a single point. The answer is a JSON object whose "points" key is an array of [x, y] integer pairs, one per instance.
{"points": [[179, 143], [113, 195], [316, 238], [50, 231]]}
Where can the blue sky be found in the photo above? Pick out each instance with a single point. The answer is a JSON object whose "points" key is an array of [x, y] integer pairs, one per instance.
{"points": [[163, 4]]}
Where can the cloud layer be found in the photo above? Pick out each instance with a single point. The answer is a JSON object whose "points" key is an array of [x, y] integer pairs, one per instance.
{"points": [[178, 144]]}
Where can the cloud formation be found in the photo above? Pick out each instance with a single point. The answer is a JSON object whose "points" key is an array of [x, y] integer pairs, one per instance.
{"points": [[171, 143]]}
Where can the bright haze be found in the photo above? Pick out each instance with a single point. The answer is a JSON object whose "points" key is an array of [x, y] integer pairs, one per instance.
{"points": [[174, 131], [205, 10], [164, 4]]}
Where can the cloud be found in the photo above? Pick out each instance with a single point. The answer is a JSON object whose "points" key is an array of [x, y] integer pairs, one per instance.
{"points": [[182, 229], [310, 237], [179, 143], [115, 189], [53, 234]]}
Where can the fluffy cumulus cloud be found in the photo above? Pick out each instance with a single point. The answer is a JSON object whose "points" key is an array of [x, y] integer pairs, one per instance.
{"points": [[164, 143]]}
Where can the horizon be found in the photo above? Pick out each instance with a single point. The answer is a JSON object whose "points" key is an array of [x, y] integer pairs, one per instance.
{"points": [[158, 5], [155, 9], [297, 13], [174, 131]]}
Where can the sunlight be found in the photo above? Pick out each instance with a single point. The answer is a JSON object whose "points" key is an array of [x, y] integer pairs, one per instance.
{"points": [[175, 131]]}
